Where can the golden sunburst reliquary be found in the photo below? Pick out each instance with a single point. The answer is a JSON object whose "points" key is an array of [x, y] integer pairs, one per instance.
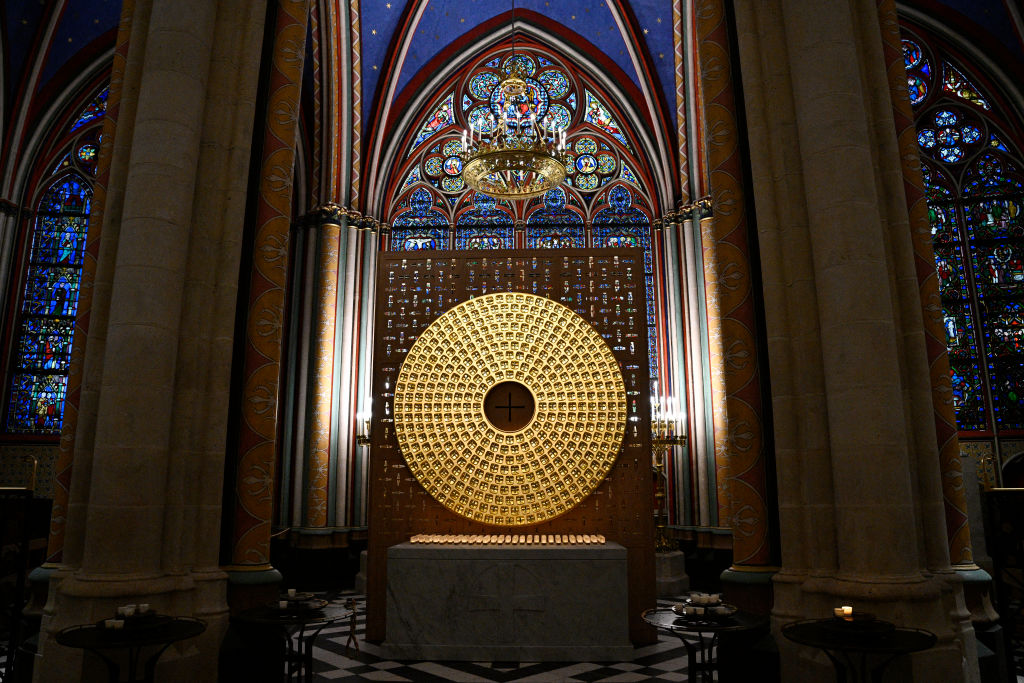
{"points": [[510, 409]]}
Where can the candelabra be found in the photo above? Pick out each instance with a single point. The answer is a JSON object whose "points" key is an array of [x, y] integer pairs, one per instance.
{"points": [[666, 433], [363, 429]]}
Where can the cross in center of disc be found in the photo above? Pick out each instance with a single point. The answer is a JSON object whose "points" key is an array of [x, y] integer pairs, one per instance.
{"points": [[509, 407]]}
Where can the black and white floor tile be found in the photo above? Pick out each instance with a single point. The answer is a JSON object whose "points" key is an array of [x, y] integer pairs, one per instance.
{"points": [[662, 661]]}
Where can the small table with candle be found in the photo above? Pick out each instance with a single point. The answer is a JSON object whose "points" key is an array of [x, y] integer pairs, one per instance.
{"points": [[859, 646], [700, 632], [296, 620], [131, 634]]}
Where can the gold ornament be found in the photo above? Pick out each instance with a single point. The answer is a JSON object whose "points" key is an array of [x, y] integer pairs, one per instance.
{"points": [[464, 419]]}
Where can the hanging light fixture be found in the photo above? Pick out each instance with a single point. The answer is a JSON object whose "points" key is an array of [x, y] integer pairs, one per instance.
{"points": [[513, 153]]}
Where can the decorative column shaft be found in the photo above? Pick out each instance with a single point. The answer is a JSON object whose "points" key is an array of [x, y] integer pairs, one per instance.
{"points": [[744, 486], [329, 221], [257, 441]]}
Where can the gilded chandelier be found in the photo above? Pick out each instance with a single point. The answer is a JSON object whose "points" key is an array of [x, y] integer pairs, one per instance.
{"points": [[514, 155]]}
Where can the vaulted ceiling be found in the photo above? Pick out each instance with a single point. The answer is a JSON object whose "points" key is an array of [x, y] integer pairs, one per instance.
{"points": [[46, 44]]}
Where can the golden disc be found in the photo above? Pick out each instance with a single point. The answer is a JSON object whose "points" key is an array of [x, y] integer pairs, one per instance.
{"points": [[510, 409]]}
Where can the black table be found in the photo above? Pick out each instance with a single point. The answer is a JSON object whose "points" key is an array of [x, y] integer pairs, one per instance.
{"points": [[860, 649], [297, 626], [700, 636], [139, 633]]}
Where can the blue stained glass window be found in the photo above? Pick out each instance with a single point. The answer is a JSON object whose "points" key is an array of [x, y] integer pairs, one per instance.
{"points": [[442, 117], [95, 109], [42, 352], [484, 237], [52, 281], [554, 226], [974, 194]]}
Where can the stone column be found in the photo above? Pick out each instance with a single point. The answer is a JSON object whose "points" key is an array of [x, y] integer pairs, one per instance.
{"points": [[252, 576], [144, 512], [744, 485], [860, 492]]}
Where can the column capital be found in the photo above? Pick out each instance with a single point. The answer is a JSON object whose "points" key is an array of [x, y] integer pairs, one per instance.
{"points": [[326, 214], [696, 210]]}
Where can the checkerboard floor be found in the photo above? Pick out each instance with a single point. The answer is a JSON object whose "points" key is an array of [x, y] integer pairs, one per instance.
{"points": [[661, 661]]}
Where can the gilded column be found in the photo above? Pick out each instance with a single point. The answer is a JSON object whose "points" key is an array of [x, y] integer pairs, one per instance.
{"points": [[257, 440], [65, 458], [328, 220], [740, 449], [953, 495]]}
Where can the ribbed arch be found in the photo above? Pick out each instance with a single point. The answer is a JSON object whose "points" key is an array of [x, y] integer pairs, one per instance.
{"points": [[600, 147], [397, 127]]}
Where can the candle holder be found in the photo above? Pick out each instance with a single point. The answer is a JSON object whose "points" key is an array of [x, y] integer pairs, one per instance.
{"points": [[363, 437], [662, 442]]}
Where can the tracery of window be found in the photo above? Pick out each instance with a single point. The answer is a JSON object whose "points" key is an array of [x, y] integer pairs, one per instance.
{"points": [[975, 190], [554, 225], [52, 280], [599, 149]]}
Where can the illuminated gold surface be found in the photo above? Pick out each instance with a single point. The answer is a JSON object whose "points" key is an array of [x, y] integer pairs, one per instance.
{"points": [[548, 466]]}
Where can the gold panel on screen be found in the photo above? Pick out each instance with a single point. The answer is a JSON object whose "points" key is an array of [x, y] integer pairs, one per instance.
{"points": [[565, 406]]}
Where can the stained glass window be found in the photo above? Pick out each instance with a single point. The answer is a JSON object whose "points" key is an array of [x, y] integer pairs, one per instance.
{"points": [[95, 109], [975, 192], [42, 351], [554, 226], [440, 118], [956, 83], [420, 226], [599, 115], [600, 157], [52, 280]]}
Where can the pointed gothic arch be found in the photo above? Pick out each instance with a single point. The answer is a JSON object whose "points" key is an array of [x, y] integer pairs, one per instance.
{"points": [[969, 138]]}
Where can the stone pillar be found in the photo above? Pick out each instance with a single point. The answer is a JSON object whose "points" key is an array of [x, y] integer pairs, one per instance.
{"points": [[954, 500], [144, 506], [860, 493], [253, 579], [746, 492]]}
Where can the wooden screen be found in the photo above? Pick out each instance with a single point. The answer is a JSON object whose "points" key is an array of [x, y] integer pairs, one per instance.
{"points": [[605, 287]]}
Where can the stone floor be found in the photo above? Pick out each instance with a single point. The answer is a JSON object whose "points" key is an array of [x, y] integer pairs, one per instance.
{"points": [[662, 661]]}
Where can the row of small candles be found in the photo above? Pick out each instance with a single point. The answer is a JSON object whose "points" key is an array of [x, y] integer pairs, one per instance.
{"points": [[544, 130], [510, 539], [125, 612], [844, 612]]}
